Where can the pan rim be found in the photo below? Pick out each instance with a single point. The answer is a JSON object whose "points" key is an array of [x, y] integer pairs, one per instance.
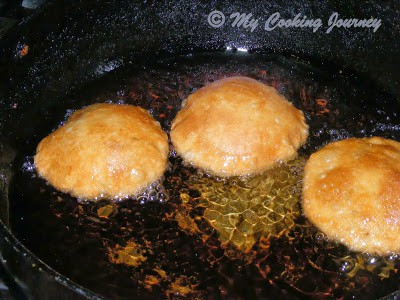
{"points": [[37, 263]]}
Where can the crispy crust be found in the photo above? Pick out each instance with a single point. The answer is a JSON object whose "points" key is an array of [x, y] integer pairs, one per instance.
{"points": [[238, 126], [351, 192], [104, 150]]}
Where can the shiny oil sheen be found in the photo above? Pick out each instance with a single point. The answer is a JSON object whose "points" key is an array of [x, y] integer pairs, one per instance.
{"points": [[168, 242]]}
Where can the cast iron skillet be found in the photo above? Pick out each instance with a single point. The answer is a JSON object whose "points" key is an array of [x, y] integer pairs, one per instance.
{"points": [[69, 47]]}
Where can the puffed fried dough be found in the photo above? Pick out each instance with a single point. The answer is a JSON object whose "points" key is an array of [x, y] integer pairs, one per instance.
{"points": [[104, 150], [238, 126], [351, 192]]}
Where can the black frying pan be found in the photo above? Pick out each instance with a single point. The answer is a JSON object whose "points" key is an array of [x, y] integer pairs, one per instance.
{"points": [[149, 54]]}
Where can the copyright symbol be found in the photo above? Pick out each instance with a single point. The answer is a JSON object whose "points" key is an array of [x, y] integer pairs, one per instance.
{"points": [[216, 19]]}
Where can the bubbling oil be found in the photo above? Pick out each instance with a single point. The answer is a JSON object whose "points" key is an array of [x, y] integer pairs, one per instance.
{"points": [[154, 191], [214, 237], [244, 209]]}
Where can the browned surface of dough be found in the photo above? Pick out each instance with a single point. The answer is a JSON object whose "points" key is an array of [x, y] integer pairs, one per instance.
{"points": [[104, 150], [238, 126], [351, 192]]}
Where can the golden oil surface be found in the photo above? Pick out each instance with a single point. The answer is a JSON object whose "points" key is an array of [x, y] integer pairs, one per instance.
{"points": [[244, 209]]}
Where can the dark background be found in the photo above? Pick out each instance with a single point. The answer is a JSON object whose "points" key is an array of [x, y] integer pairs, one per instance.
{"points": [[89, 33], [73, 42]]}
